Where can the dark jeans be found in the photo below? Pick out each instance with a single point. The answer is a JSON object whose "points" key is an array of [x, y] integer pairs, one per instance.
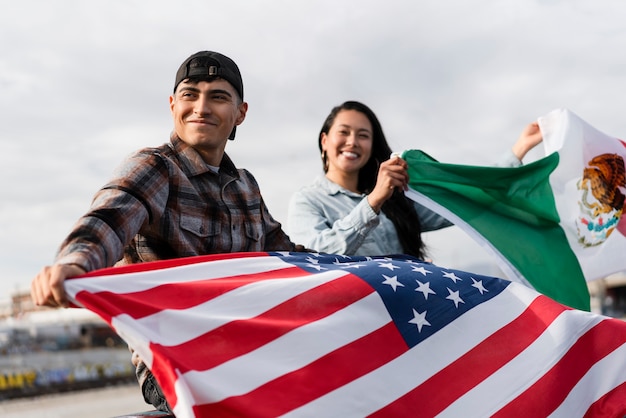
{"points": [[151, 390]]}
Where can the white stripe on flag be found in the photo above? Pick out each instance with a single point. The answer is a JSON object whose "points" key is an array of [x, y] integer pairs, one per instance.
{"points": [[527, 367], [244, 302], [603, 377], [291, 351], [145, 280], [422, 361]]}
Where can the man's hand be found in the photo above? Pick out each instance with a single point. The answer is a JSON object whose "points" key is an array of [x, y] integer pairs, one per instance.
{"points": [[47, 289]]}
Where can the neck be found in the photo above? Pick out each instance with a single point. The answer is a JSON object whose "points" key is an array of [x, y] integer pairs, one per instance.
{"points": [[348, 181], [211, 157]]}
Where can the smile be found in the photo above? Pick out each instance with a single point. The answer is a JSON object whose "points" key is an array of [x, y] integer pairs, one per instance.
{"points": [[350, 155], [201, 121]]}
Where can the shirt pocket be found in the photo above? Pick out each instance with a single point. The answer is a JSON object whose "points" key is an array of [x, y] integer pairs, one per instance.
{"points": [[198, 225], [253, 225]]}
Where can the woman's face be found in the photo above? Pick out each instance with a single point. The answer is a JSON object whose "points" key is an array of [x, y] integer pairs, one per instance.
{"points": [[348, 144]]}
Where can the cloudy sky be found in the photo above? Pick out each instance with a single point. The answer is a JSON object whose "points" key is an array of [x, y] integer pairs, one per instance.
{"points": [[85, 83]]}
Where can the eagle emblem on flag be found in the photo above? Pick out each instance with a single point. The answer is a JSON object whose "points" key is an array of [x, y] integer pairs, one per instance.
{"points": [[602, 201]]}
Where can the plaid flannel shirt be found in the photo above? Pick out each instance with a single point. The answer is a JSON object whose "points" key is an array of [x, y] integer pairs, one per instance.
{"points": [[165, 202]]}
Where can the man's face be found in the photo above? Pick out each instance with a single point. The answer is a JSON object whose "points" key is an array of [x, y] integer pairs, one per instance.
{"points": [[204, 115]]}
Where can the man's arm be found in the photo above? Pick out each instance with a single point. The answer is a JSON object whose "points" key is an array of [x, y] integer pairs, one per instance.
{"points": [[119, 209], [47, 288]]}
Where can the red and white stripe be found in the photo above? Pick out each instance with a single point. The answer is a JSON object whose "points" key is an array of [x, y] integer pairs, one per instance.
{"points": [[252, 335]]}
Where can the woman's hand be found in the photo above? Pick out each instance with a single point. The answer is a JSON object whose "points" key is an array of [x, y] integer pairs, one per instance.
{"points": [[391, 174], [528, 139]]}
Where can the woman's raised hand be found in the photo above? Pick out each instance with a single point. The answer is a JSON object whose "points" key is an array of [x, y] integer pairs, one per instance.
{"points": [[392, 174]]}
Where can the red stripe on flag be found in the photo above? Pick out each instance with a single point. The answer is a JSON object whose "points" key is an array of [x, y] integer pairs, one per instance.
{"points": [[456, 379], [322, 376], [166, 376], [545, 395], [175, 295], [243, 336], [165, 264], [612, 404]]}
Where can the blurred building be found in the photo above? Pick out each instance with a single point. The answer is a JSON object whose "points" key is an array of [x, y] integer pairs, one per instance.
{"points": [[608, 295], [46, 350], [26, 327]]}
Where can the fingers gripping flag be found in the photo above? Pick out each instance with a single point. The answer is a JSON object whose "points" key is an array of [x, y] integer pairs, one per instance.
{"points": [[297, 334]]}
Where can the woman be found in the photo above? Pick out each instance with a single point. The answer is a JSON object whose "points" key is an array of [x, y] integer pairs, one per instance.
{"points": [[359, 207]]}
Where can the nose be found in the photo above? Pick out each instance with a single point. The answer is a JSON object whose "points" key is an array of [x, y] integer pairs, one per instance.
{"points": [[201, 106], [351, 139]]}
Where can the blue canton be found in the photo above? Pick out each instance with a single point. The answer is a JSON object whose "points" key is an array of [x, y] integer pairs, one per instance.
{"points": [[421, 297]]}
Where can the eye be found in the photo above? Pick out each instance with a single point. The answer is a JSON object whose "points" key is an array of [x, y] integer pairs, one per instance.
{"points": [[187, 95], [220, 97]]}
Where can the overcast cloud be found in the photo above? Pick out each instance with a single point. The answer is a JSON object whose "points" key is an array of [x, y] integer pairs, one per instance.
{"points": [[85, 83]]}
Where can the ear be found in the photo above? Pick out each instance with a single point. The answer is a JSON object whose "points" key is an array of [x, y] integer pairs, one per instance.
{"points": [[242, 109], [172, 104], [323, 137]]}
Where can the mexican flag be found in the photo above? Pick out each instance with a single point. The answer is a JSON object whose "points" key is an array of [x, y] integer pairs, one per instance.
{"points": [[553, 224]]}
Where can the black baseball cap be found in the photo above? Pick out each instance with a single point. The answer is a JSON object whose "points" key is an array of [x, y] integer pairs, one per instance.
{"points": [[207, 65]]}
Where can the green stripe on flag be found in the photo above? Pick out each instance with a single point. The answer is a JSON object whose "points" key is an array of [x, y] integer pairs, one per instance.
{"points": [[514, 210]]}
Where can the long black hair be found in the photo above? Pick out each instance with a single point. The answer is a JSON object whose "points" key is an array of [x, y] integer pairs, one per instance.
{"points": [[398, 208]]}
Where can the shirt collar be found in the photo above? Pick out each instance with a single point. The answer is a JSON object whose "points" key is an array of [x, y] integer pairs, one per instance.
{"points": [[333, 188], [193, 164]]}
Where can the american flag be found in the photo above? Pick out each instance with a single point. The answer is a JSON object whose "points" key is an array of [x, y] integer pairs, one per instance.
{"points": [[301, 334]]}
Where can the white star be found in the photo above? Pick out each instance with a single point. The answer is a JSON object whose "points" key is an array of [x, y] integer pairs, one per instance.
{"points": [[312, 260], [316, 267], [419, 319], [422, 270], [389, 266], [425, 289], [454, 296], [451, 276], [479, 285], [392, 281], [353, 266]]}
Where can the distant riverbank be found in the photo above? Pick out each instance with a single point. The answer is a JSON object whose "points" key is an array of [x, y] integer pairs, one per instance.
{"points": [[104, 402], [38, 373]]}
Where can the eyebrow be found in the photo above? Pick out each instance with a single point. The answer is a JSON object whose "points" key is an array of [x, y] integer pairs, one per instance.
{"points": [[210, 91], [358, 130]]}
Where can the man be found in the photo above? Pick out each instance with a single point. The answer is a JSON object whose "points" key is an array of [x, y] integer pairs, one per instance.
{"points": [[181, 199]]}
